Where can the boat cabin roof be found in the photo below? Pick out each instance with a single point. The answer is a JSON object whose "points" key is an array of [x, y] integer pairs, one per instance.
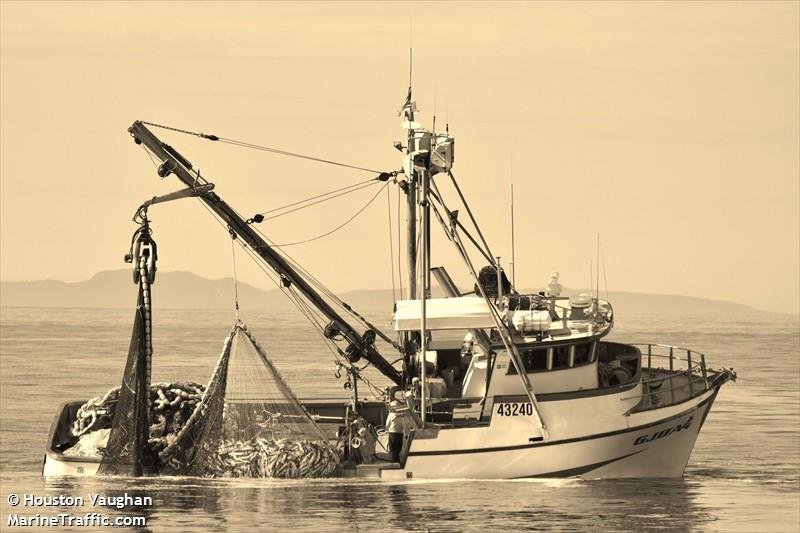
{"points": [[464, 312], [473, 312]]}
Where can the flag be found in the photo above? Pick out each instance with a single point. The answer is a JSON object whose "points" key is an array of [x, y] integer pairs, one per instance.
{"points": [[407, 104]]}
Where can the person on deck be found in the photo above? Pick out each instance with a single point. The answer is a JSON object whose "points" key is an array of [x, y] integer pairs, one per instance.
{"points": [[367, 448], [395, 427]]}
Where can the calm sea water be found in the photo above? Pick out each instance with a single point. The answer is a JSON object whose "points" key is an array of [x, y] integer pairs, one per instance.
{"points": [[744, 474]]}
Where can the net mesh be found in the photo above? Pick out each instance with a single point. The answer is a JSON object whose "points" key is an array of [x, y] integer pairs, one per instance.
{"points": [[126, 451], [249, 423]]}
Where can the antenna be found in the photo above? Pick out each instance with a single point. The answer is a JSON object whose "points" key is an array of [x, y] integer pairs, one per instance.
{"points": [[434, 112], [410, 61], [446, 114], [513, 250], [605, 272], [597, 286]]}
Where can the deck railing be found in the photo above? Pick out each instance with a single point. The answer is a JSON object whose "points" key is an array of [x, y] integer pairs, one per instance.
{"points": [[686, 367]]}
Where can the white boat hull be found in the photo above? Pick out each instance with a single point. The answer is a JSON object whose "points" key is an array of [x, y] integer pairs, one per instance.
{"points": [[63, 466], [647, 448], [649, 444]]}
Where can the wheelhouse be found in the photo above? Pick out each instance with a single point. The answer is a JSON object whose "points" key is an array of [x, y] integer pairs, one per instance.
{"points": [[562, 352]]}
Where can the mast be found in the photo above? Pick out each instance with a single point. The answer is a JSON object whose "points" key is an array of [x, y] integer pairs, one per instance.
{"points": [[409, 347], [411, 201], [425, 281], [173, 162]]}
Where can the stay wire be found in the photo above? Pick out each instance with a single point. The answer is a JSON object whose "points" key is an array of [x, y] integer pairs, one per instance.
{"points": [[309, 277], [314, 281], [333, 297], [471, 216], [270, 275], [293, 154], [235, 277], [325, 291], [150, 155], [269, 149], [334, 348], [436, 195], [350, 188], [304, 309], [340, 226], [178, 130]]}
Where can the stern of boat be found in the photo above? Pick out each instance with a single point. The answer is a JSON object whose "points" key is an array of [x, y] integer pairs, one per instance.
{"points": [[60, 438]]}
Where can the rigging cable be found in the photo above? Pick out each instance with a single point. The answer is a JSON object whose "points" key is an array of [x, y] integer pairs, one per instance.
{"points": [[313, 317], [324, 290], [259, 147], [150, 155], [469, 212], [383, 176], [438, 197], [309, 277], [290, 293], [502, 329], [235, 276], [351, 188], [340, 226], [330, 344]]}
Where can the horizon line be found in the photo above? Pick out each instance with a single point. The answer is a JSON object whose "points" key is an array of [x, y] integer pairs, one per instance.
{"points": [[628, 291]]}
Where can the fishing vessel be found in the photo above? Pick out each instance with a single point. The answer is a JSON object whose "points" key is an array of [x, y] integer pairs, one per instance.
{"points": [[501, 384]]}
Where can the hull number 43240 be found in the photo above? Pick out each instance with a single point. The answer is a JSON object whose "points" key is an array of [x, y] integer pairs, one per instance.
{"points": [[515, 409]]}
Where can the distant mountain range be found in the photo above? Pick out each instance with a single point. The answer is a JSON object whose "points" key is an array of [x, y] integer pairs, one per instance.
{"points": [[185, 290]]}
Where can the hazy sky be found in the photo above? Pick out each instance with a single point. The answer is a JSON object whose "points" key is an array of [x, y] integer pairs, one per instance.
{"points": [[670, 128]]}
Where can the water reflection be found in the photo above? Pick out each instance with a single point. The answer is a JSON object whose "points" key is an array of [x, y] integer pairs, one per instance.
{"points": [[365, 505]]}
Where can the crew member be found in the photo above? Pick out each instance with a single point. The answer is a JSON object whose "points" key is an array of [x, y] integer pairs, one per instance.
{"points": [[395, 427]]}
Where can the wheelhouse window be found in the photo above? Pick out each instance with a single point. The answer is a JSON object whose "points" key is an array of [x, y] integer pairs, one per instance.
{"points": [[561, 357], [534, 361], [557, 358], [583, 353]]}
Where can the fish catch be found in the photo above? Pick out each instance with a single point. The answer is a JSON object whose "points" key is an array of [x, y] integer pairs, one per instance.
{"points": [[284, 459], [171, 407]]}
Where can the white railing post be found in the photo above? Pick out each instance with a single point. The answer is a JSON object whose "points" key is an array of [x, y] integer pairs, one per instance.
{"points": [[671, 376], [703, 367]]}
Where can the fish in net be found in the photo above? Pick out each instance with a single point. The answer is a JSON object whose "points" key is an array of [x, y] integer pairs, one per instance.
{"points": [[249, 423]]}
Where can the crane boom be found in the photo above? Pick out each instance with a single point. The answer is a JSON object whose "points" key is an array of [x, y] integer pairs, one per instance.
{"points": [[173, 162]]}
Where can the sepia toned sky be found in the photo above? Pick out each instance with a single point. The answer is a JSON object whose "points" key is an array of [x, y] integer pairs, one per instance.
{"points": [[672, 129]]}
